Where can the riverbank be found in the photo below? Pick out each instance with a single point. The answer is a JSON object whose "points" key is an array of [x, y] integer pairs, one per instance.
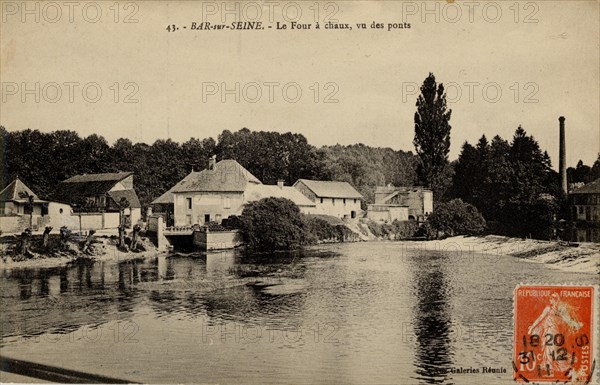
{"points": [[102, 248], [577, 257]]}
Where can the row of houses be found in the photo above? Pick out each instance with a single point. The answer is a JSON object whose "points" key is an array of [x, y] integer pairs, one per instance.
{"points": [[104, 201], [89, 201], [223, 189]]}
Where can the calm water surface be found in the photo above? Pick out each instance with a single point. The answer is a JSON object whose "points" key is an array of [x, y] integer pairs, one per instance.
{"points": [[364, 313]]}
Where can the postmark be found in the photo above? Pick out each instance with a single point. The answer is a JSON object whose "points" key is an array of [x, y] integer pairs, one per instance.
{"points": [[554, 334]]}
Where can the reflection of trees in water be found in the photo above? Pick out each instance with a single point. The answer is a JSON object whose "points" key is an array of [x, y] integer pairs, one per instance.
{"points": [[62, 299], [432, 322]]}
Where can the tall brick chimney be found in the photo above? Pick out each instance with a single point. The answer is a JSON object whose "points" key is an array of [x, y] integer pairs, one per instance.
{"points": [[562, 160], [211, 162]]}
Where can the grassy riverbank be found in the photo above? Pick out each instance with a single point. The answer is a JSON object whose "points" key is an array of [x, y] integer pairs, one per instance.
{"points": [[579, 257]]}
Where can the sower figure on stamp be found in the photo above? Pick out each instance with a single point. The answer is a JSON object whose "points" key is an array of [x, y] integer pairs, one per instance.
{"points": [[555, 319]]}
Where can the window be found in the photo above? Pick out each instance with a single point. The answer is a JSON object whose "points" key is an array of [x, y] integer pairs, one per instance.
{"points": [[189, 203], [321, 200], [218, 218], [355, 201], [226, 202], [188, 220], [206, 218], [333, 201], [580, 209]]}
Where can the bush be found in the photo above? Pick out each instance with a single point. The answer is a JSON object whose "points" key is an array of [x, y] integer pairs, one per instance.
{"points": [[455, 218], [395, 230], [405, 229], [318, 229], [273, 224], [233, 222]]}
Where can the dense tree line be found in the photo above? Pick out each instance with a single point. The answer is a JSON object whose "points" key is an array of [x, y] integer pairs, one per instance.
{"points": [[43, 160], [508, 182], [367, 167], [583, 173], [511, 183]]}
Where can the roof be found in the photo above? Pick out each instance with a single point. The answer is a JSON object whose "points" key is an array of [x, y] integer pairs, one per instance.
{"points": [[226, 176], [331, 189], [167, 197], [392, 189], [105, 177], [88, 185], [129, 194], [256, 192], [17, 191], [589, 188]]}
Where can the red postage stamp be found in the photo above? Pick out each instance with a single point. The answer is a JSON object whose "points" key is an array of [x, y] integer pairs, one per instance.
{"points": [[554, 334]]}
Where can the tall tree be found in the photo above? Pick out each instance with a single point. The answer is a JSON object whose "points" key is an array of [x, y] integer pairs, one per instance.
{"points": [[432, 136]]}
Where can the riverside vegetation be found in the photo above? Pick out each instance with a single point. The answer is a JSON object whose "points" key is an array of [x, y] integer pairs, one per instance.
{"points": [[510, 182]]}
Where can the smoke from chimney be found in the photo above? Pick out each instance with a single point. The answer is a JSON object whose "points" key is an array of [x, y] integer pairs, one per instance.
{"points": [[562, 160]]}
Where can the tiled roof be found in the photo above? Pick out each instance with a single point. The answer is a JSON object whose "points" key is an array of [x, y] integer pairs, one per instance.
{"points": [[68, 191], [167, 197], [105, 177], [88, 185], [130, 195], [331, 189], [257, 192], [16, 191], [227, 176], [392, 189], [589, 188]]}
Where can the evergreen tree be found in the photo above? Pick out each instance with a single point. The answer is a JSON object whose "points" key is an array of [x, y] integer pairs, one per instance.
{"points": [[432, 136]]}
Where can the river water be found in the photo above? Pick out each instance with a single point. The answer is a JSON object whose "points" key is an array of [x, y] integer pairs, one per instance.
{"points": [[361, 313]]}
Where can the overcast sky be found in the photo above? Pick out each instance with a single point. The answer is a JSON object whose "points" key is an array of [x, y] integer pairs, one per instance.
{"points": [[544, 68]]}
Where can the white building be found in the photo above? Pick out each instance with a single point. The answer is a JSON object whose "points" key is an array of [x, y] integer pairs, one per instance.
{"points": [[222, 190], [338, 199]]}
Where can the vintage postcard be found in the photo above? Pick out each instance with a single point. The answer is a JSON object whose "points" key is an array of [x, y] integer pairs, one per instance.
{"points": [[299, 192]]}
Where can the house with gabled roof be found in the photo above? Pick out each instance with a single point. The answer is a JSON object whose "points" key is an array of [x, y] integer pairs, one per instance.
{"points": [[20, 208], [338, 199], [401, 203], [17, 198], [211, 194], [222, 190], [258, 192], [105, 192]]}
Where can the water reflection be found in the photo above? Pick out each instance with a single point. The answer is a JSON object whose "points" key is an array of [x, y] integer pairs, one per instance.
{"points": [[357, 307], [432, 322]]}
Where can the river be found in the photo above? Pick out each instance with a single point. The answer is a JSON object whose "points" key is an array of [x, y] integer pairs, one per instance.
{"points": [[360, 313]]}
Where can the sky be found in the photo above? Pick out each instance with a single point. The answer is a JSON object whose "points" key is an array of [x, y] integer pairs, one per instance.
{"points": [[116, 71]]}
